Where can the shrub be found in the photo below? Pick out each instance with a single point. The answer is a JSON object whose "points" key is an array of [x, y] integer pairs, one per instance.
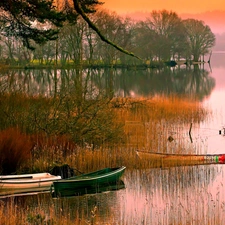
{"points": [[83, 120], [15, 149]]}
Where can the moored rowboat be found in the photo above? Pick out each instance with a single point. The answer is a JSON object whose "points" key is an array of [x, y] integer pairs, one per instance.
{"points": [[167, 160], [93, 181], [16, 184]]}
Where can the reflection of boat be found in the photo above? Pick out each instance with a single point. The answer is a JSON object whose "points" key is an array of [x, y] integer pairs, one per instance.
{"points": [[112, 186], [94, 182], [164, 159], [16, 184]]}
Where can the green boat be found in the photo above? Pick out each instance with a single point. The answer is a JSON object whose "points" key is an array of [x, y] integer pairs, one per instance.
{"points": [[94, 182]]}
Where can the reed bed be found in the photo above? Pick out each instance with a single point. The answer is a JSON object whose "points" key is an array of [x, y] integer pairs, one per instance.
{"points": [[172, 108], [43, 210], [158, 124]]}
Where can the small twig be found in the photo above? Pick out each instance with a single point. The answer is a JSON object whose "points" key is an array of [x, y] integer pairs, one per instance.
{"points": [[77, 170]]}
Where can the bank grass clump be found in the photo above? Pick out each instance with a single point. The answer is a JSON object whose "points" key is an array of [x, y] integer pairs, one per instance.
{"points": [[83, 160], [160, 107], [152, 123], [15, 150], [89, 121]]}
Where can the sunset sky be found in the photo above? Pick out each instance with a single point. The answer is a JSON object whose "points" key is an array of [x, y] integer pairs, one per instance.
{"points": [[179, 6], [212, 12]]}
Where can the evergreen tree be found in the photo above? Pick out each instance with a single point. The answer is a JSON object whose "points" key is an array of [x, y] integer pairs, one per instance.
{"points": [[36, 20]]}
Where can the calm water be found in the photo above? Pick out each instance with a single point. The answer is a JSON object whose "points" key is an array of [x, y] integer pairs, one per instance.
{"points": [[179, 195]]}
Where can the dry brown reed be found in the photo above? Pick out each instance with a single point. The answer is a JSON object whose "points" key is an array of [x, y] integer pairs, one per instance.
{"points": [[50, 151], [15, 150], [173, 108], [43, 210], [148, 123]]}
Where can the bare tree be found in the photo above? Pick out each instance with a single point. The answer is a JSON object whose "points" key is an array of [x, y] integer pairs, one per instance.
{"points": [[200, 38], [111, 27], [72, 36], [168, 32]]}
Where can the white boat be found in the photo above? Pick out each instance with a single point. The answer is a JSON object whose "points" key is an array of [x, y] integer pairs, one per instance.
{"points": [[26, 183]]}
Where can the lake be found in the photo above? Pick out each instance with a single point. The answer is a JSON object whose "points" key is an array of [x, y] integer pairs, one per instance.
{"points": [[178, 195]]}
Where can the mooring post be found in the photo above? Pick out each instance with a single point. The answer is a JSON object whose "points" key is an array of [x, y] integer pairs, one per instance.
{"points": [[190, 132]]}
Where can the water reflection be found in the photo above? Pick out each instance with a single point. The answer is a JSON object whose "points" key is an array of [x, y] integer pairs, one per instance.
{"points": [[181, 195], [113, 186], [181, 80]]}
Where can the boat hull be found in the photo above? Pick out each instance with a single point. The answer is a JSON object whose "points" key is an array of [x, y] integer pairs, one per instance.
{"points": [[170, 160], [91, 182], [16, 184]]}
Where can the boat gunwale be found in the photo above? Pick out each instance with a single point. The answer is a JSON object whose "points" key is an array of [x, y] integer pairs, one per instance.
{"points": [[85, 178], [30, 181], [178, 155], [25, 176]]}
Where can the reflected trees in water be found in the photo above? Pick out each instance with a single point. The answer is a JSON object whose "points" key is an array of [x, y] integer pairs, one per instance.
{"points": [[182, 80]]}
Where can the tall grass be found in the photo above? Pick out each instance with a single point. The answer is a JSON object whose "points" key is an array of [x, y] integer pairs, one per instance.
{"points": [[42, 210], [68, 113], [171, 108], [149, 123]]}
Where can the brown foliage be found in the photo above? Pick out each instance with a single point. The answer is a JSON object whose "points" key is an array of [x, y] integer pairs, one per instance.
{"points": [[15, 148]]}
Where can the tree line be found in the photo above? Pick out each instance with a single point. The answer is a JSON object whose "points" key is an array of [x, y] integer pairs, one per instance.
{"points": [[162, 37]]}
